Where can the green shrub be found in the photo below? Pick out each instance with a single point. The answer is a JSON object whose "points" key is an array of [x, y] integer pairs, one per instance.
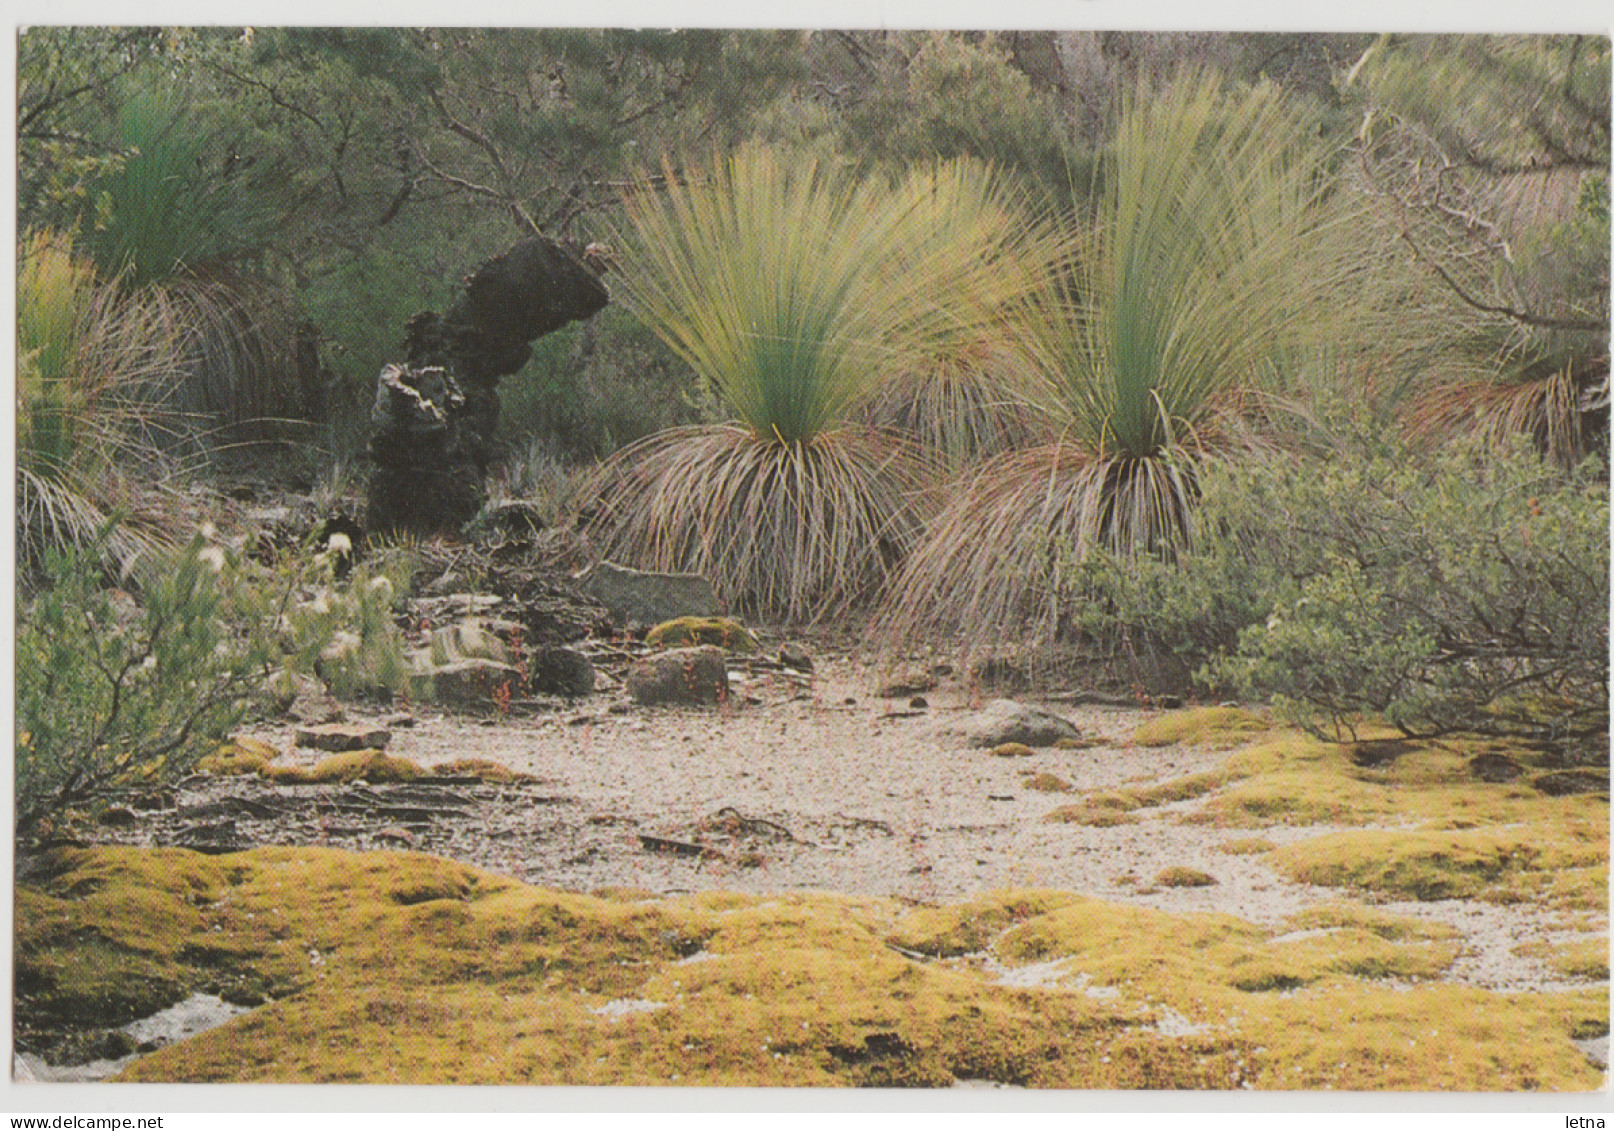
{"points": [[112, 692], [110, 696], [1463, 591]]}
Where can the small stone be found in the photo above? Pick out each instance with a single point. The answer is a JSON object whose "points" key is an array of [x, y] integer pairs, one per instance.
{"points": [[796, 656], [648, 597], [1570, 782], [337, 737], [472, 683], [918, 703], [1494, 768], [909, 683], [316, 709], [396, 834], [1012, 750]]}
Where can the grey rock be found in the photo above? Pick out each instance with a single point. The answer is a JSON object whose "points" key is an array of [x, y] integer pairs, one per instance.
{"points": [[683, 676], [468, 683], [467, 640], [1004, 720], [336, 737], [560, 671], [648, 597]]}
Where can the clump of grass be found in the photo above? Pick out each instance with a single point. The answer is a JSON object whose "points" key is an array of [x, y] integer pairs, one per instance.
{"points": [[791, 286], [1180, 877]]}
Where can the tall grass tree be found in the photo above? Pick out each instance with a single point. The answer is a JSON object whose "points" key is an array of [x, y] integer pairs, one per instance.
{"points": [[793, 286], [1214, 248]]}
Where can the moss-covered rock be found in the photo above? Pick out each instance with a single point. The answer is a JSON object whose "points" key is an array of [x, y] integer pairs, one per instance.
{"points": [[690, 632]]}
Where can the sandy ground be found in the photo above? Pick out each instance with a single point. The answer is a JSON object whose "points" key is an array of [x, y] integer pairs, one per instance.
{"points": [[833, 788]]}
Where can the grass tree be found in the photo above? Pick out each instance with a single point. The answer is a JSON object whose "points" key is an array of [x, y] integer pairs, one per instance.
{"points": [[793, 287], [1206, 268], [88, 356]]}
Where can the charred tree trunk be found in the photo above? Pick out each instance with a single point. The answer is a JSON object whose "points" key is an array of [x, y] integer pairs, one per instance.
{"points": [[435, 415]]}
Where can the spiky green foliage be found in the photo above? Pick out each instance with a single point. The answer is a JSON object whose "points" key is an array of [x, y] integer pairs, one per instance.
{"points": [[88, 357], [164, 210], [1208, 265], [793, 286]]}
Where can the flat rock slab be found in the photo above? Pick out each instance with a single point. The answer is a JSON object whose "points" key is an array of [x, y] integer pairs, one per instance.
{"points": [[1004, 721], [473, 682], [648, 598], [338, 737]]}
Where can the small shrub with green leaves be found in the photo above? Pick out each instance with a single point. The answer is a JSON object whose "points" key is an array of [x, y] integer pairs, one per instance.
{"points": [[114, 692], [1462, 591], [109, 694]]}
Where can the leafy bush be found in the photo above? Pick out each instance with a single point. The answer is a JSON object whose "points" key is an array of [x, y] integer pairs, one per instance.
{"points": [[1464, 591], [110, 695], [113, 693]]}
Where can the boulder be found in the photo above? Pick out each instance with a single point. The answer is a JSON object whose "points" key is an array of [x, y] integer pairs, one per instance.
{"points": [[472, 683], [648, 597], [680, 676], [560, 671], [1004, 720]]}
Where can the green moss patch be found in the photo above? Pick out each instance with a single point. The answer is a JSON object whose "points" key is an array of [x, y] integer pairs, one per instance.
{"points": [[1217, 726], [1045, 783], [353, 765], [396, 967], [689, 632], [1179, 877]]}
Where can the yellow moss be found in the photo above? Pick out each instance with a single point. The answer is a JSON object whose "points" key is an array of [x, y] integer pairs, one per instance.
{"points": [[1180, 789], [482, 768], [1426, 865], [1045, 783], [1011, 750], [1179, 877], [1396, 928], [370, 765], [1586, 959], [1100, 810], [1220, 726], [430, 972], [233, 760], [962, 928], [1246, 846], [686, 632]]}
